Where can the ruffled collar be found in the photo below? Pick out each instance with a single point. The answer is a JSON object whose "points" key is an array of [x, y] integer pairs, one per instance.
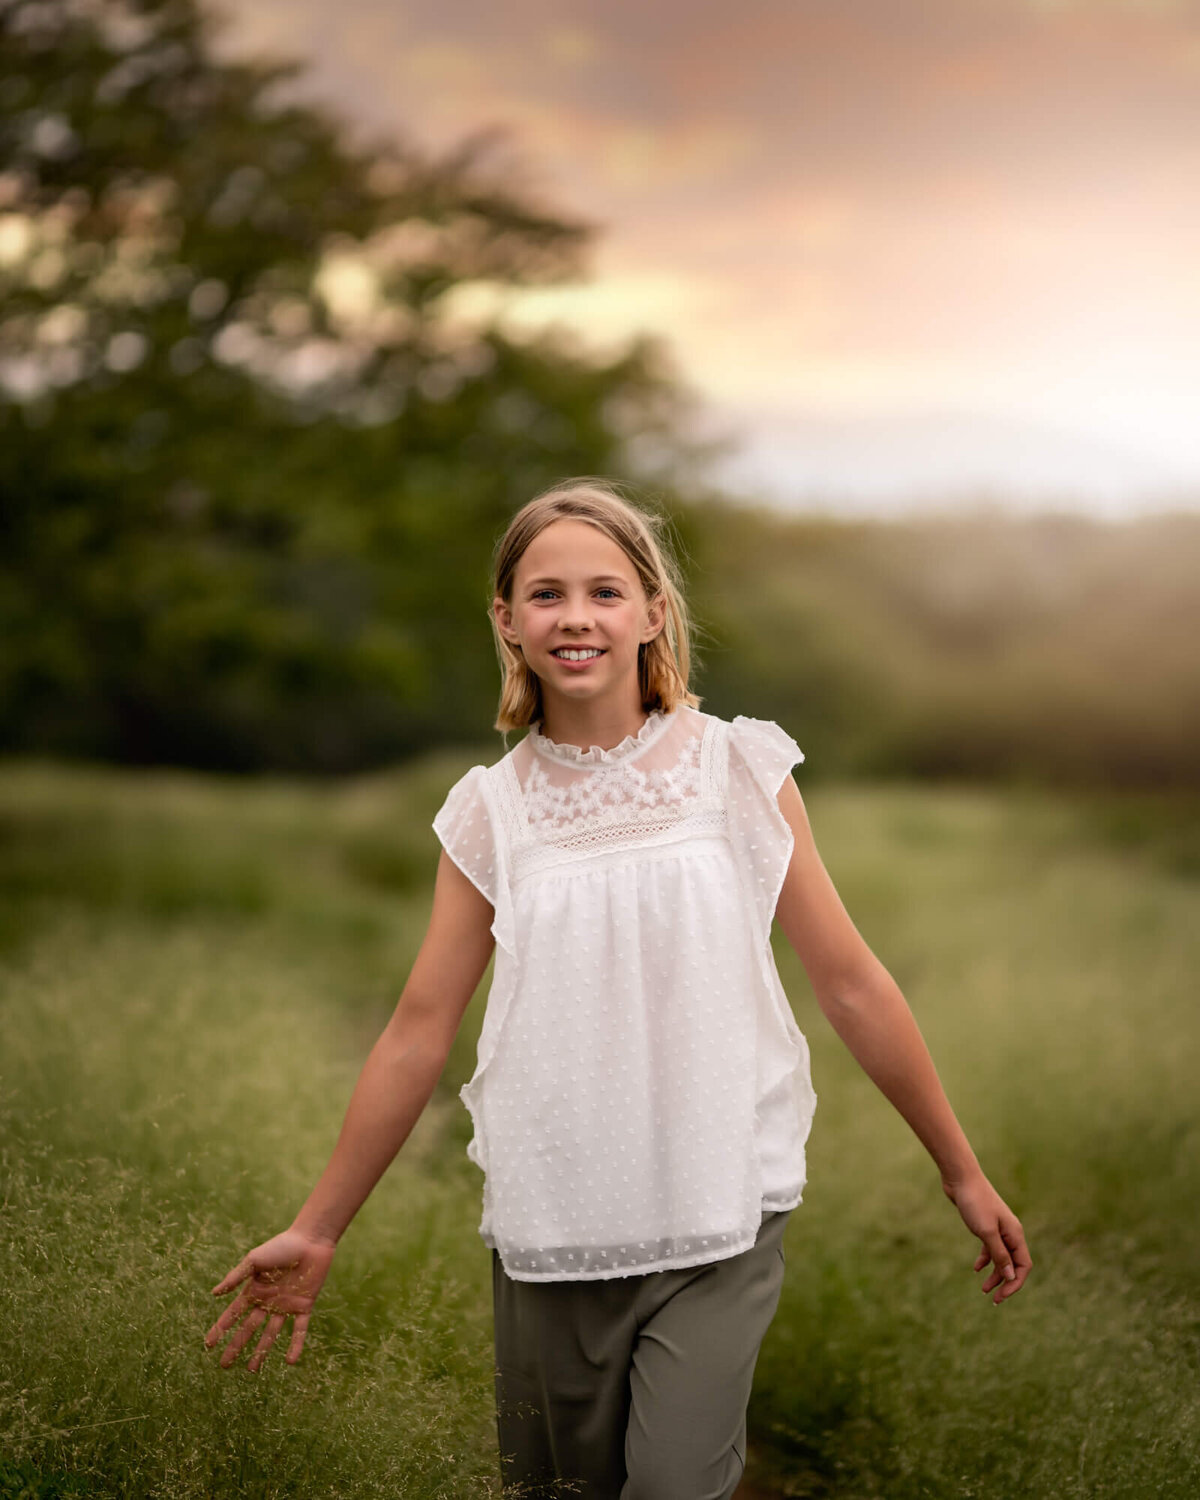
{"points": [[596, 755]]}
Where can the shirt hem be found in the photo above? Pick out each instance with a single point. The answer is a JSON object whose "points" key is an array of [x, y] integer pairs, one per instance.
{"points": [[781, 1205], [683, 1263], [700, 1258]]}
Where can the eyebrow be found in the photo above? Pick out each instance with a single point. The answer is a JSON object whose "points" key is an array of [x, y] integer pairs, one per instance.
{"points": [[601, 578]]}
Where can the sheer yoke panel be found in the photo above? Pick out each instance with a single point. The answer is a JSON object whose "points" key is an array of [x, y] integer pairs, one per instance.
{"points": [[654, 789]]}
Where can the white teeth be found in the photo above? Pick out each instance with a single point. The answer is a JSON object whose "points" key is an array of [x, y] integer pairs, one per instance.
{"points": [[577, 655]]}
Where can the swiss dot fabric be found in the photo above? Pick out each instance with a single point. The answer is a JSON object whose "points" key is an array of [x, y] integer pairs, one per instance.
{"points": [[642, 1092]]}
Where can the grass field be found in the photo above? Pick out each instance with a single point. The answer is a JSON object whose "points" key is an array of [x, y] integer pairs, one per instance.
{"points": [[191, 971]]}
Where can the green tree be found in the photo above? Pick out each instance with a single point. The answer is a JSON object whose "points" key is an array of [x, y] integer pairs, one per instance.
{"points": [[255, 445]]}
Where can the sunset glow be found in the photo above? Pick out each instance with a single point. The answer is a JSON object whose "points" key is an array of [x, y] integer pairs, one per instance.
{"points": [[979, 219]]}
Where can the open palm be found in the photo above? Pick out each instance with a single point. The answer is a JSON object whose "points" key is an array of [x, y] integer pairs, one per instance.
{"points": [[282, 1278]]}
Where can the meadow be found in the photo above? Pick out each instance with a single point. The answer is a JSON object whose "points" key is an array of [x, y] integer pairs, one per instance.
{"points": [[192, 969]]}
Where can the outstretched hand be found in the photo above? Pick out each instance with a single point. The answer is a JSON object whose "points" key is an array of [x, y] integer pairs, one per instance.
{"points": [[282, 1276], [999, 1231]]}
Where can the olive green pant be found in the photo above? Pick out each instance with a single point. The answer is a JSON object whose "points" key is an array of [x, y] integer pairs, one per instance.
{"points": [[635, 1387]]}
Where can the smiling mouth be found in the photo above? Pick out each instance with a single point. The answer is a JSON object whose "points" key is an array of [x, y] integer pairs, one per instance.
{"points": [[570, 653]]}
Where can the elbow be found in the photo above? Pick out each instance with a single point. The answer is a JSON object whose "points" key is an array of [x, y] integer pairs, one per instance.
{"points": [[838, 1003], [854, 995]]}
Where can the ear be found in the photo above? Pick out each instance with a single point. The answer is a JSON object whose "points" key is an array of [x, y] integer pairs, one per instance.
{"points": [[502, 615], [656, 617]]}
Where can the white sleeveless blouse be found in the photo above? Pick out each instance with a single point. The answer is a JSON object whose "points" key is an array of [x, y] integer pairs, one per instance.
{"points": [[642, 1094]]}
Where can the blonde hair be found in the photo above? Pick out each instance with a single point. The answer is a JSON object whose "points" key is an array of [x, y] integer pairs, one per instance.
{"points": [[664, 662]]}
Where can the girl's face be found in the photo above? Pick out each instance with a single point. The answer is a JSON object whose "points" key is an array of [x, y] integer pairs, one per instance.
{"points": [[577, 595]]}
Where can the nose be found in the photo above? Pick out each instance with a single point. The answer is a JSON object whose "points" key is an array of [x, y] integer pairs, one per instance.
{"points": [[576, 615]]}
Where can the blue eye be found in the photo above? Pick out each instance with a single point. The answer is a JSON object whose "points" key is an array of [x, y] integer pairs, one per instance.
{"points": [[541, 593]]}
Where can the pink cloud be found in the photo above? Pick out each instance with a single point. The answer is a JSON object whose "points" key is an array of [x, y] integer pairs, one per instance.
{"points": [[996, 195]]}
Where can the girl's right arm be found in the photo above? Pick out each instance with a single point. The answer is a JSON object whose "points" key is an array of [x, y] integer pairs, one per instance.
{"points": [[283, 1275]]}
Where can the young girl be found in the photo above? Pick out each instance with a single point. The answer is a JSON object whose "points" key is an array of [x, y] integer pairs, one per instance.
{"points": [[642, 1096]]}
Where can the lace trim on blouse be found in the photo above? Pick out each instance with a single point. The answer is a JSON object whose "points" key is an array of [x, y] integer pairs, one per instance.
{"points": [[596, 755], [618, 807], [624, 796]]}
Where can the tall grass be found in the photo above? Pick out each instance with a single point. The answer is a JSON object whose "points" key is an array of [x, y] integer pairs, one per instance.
{"points": [[191, 972], [1053, 974], [190, 978]]}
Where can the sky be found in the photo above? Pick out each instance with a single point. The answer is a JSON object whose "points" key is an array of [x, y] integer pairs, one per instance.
{"points": [[905, 252]]}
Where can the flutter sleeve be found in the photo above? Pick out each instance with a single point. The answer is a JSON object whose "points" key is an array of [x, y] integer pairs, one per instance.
{"points": [[471, 832], [761, 754]]}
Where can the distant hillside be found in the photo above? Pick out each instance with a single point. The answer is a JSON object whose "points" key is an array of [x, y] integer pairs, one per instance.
{"points": [[1055, 648]]}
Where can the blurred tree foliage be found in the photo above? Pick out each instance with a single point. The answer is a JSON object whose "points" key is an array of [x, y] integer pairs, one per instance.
{"points": [[255, 445], [259, 431]]}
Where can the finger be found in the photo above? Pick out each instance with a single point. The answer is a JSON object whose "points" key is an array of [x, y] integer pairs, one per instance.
{"points": [[999, 1254], [1022, 1261], [258, 1316], [981, 1260], [270, 1333], [299, 1329], [228, 1318], [239, 1273]]}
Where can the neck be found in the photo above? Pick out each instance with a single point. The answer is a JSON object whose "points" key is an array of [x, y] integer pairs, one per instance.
{"points": [[593, 722]]}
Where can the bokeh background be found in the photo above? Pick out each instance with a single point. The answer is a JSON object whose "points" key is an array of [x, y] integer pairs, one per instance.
{"points": [[890, 309]]}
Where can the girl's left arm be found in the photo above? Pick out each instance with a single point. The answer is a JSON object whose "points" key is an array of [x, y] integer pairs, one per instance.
{"points": [[866, 1009]]}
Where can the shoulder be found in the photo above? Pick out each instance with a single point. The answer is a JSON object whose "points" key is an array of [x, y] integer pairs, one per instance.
{"points": [[695, 723], [754, 738], [751, 736], [740, 725]]}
